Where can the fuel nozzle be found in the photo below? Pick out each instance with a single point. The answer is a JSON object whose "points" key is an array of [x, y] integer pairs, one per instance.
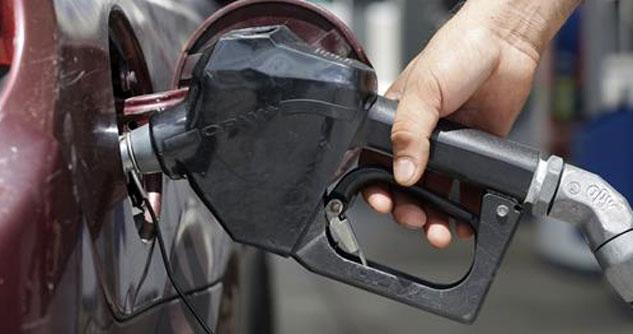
{"points": [[267, 125], [137, 153], [616, 259], [581, 198], [606, 220]]}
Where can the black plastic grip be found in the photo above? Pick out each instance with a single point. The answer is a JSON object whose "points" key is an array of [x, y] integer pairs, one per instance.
{"points": [[352, 183], [460, 300], [467, 154]]}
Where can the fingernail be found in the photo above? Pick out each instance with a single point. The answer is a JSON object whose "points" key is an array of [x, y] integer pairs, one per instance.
{"points": [[412, 226], [439, 236], [404, 170]]}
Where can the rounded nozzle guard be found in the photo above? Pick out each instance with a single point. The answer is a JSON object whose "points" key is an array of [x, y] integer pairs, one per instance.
{"points": [[606, 220], [616, 259]]}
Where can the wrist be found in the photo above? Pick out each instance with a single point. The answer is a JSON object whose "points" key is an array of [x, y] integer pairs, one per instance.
{"points": [[528, 25]]}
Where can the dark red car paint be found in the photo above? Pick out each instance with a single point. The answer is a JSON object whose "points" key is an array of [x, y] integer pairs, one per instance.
{"points": [[71, 259]]}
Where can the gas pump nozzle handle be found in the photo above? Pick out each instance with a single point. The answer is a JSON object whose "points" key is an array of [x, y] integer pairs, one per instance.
{"points": [[551, 188], [268, 122], [466, 154], [478, 158]]}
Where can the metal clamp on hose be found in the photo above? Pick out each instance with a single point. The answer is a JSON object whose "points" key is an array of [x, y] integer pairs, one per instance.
{"points": [[544, 185], [137, 153]]}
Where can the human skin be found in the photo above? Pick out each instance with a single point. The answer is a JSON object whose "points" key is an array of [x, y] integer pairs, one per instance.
{"points": [[476, 70]]}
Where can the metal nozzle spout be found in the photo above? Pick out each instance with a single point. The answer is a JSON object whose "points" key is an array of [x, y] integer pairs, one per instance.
{"points": [[616, 259], [137, 152], [589, 202], [606, 219]]}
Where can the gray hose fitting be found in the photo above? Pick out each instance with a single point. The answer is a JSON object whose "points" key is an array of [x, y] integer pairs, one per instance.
{"points": [[544, 185], [137, 152]]}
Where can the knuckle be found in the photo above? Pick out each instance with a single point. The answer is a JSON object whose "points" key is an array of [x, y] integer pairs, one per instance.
{"points": [[408, 129], [398, 215], [407, 139], [429, 91], [404, 136]]}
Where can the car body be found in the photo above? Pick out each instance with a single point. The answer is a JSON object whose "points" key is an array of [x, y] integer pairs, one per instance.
{"points": [[72, 259]]}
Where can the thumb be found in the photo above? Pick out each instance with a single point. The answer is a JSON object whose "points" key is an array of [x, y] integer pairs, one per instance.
{"points": [[414, 122], [444, 77]]}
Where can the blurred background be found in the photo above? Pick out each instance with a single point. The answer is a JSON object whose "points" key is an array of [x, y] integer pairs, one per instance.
{"points": [[581, 108]]}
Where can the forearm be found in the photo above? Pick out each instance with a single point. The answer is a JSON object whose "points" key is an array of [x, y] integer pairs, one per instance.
{"points": [[528, 25]]}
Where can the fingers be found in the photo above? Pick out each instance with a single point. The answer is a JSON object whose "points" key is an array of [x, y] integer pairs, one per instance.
{"points": [[408, 213], [470, 197], [450, 70], [397, 88], [437, 230], [464, 231], [412, 128], [437, 222], [413, 124], [379, 198]]}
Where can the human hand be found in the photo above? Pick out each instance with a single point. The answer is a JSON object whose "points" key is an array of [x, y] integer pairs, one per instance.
{"points": [[477, 70]]}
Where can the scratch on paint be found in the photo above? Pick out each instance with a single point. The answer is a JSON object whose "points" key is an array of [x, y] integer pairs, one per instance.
{"points": [[77, 78]]}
